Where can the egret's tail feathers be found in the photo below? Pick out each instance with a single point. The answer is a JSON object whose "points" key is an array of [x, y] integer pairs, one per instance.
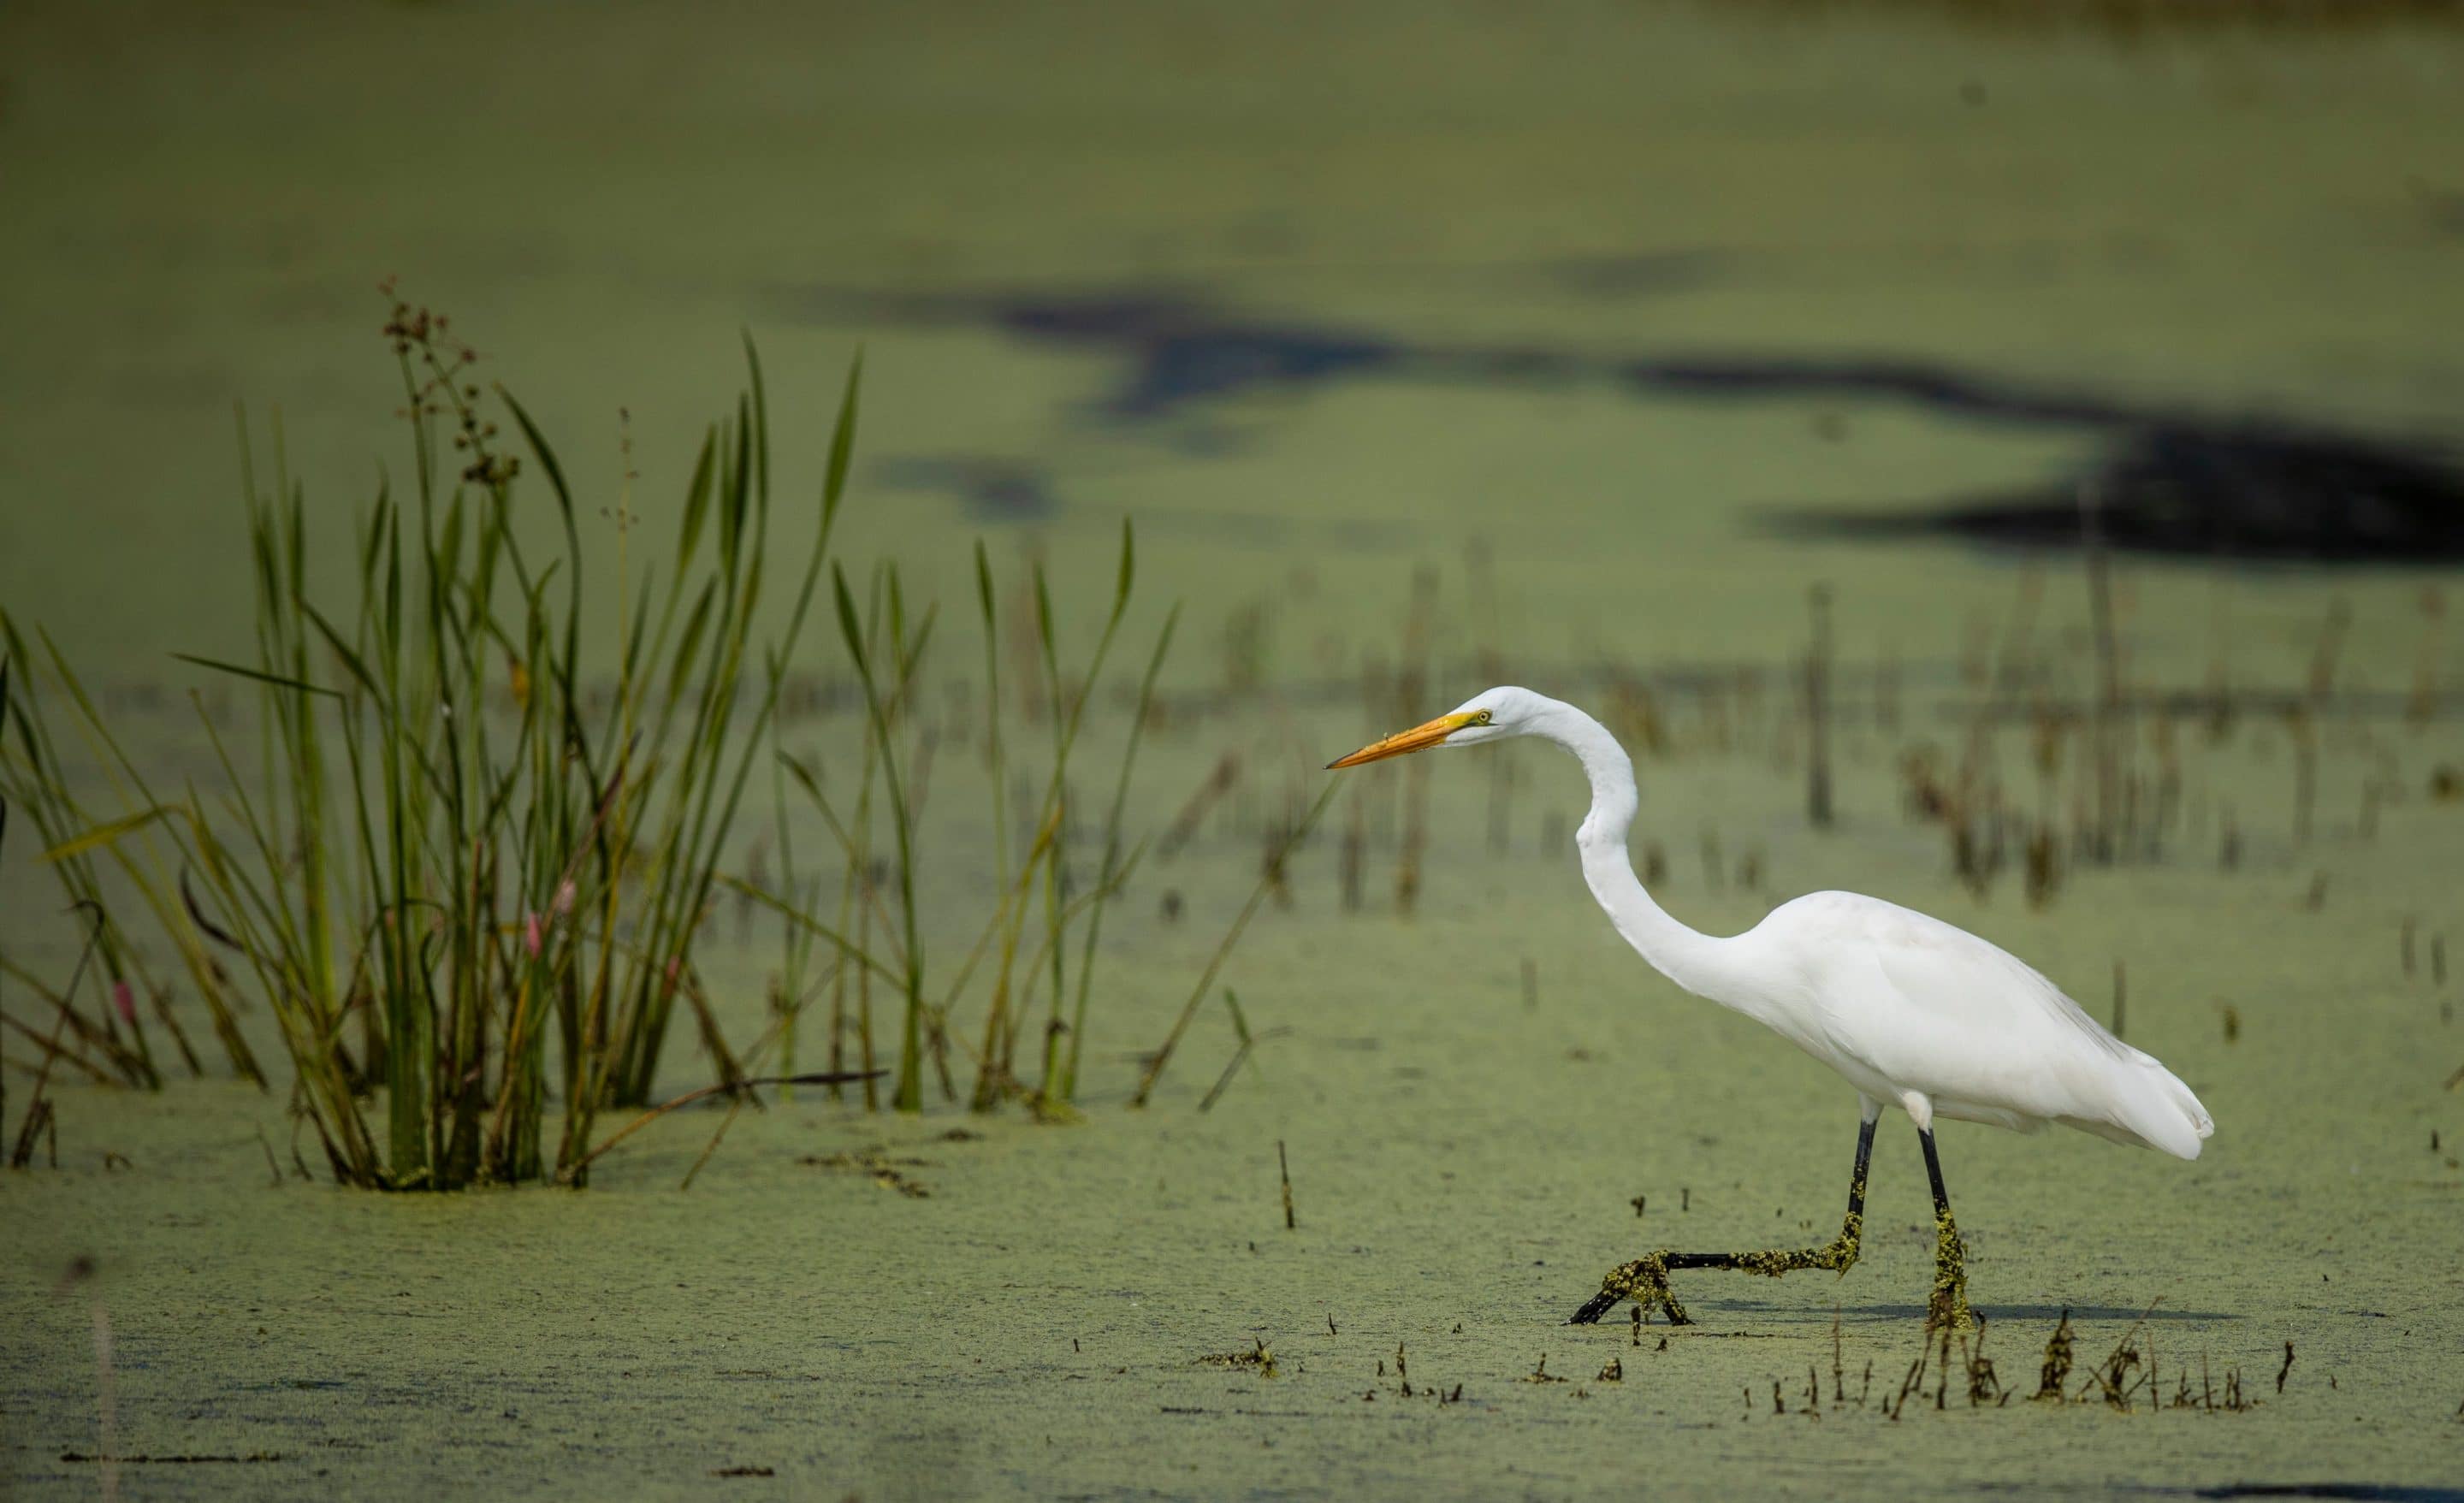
{"points": [[2200, 1121], [2156, 1110]]}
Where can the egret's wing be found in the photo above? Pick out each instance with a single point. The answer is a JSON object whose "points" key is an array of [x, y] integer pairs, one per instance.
{"points": [[1942, 1011], [1957, 978]]}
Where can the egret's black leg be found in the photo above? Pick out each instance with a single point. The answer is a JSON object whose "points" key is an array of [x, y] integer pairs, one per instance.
{"points": [[1646, 1280], [1948, 1304]]}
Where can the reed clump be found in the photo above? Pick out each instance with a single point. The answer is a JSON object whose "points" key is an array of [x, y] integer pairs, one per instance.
{"points": [[483, 811], [1037, 905], [465, 859], [473, 824]]}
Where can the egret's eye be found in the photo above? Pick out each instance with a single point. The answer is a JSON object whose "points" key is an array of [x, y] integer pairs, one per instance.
{"points": [[1481, 717]]}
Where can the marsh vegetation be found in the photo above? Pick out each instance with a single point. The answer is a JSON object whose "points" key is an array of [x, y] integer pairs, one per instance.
{"points": [[761, 865]]}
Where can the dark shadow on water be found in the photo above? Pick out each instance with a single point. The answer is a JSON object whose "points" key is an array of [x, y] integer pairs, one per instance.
{"points": [[2354, 1492], [1647, 274], [2351, 1491], [1999, 1319], [991, 488], [2174, 480], [2245, 493], [2359, 1491]]}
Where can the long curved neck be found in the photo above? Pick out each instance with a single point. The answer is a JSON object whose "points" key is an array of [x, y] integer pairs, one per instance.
{"points": [[1695, 961]]}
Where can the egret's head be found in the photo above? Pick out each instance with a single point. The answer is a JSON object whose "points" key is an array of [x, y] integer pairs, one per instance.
{"points": [[1490, 716]]}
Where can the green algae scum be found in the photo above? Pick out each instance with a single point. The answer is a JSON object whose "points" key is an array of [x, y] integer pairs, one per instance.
{"points": [[715, 875]]}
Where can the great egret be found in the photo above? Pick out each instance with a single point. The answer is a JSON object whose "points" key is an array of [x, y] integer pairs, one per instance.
{"points": [[1911, 1012]]}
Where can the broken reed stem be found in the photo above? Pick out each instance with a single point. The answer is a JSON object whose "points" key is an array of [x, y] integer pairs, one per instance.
{"points": [[1501, 801], [1223, 950], [2305, 771], [582, 1166], [1240, 1054], [2424, 701], [1415, 835], [1354, 862], [1193, 810], [1817, 711], [2109, 698], [1284, 1166], [1410, 681], [2330, 648], [2014, 664]]}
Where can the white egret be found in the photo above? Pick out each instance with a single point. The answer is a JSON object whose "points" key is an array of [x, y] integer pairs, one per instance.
{"points": [[1911, 1012]]}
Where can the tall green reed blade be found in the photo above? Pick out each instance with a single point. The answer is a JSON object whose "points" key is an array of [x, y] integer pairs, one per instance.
{"points": [[745, 512], [1064, 731], [1067, 1088], [909, 1095], [988, 1084], [256, 923]]}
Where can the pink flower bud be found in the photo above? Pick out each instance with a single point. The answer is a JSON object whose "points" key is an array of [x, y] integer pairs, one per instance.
{"points": [[125, 1000], [532, 935], [563, 898]]}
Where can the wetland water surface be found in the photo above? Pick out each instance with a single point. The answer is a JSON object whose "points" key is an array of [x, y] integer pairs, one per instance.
{"points": [[1043, 1318], [1087, 1311]]}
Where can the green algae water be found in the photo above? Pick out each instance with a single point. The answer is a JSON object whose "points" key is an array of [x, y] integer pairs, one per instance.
{"points": [[1402, 297]]}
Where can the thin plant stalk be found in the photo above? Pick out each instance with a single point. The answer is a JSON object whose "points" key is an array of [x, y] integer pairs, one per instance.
{"points": [[1066, 1089], [1223, 950]]}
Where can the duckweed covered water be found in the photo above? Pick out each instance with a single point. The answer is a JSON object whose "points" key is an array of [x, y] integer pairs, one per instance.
{"points": [[1089, 1311], [1042, 1318]]}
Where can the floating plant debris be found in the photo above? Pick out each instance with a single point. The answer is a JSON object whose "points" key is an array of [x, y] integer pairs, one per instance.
{"points": [[1258, 1358], [887, 1172]]}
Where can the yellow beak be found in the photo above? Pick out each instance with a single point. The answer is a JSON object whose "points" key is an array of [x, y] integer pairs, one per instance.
{"points": [[1419, 738]]}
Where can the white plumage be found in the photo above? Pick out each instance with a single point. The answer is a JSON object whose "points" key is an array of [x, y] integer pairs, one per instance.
{"points": [[1910, 1010], [1906, 1006]]}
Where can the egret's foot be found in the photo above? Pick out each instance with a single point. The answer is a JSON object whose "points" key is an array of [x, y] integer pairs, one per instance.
{"points": [[1644, 1281], [1946, 1308], [1837, 1255]]}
